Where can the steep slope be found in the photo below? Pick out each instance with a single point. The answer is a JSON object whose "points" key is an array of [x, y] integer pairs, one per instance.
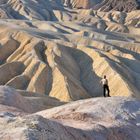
{"points": [[118, 5], [54, 52], [104, 5], [86, 4], [52, 10], [66, 58]]}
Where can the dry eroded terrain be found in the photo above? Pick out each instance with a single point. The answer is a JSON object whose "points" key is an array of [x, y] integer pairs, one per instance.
{"points": [[66, 58], [52, 53]]}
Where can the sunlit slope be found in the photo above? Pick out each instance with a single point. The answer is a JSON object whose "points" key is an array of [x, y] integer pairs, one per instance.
{"points": [[65, 52], [67, 60]]}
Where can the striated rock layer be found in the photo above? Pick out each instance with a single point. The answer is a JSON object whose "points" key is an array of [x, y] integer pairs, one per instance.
{"points": [[104, 5], [118, 5], [67, 59], [64, 53]]}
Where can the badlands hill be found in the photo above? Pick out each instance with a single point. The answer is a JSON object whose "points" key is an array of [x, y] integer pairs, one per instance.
{"points": [[49, 49], [53, 52], [105, 5]]}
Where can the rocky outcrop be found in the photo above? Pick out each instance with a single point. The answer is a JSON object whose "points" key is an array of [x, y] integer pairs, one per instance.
{"points": [[24, 102], [118, 5], [54, 52], [104, 5], [109, 118], [52, 10], [100, 118]]}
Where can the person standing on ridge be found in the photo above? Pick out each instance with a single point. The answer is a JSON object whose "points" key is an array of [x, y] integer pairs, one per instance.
{"points": [[104, 83]]}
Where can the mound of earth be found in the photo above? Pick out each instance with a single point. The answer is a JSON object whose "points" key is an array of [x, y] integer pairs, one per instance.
{"points": [[100, 118], [26, 102], [118, 5], [104, 5]]}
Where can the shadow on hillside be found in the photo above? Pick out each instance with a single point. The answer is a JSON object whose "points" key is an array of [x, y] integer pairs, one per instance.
{"points": [[89, 79], [134, 68], [124, 71], [127, 51], [17, 15]]}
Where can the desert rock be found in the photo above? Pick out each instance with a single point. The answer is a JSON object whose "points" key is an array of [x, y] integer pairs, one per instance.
{"points": [[109, 118], [66, 59], [55, 52]]}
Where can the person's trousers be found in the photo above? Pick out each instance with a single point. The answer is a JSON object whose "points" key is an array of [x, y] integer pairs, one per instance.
{"points": [[106, 89]]}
